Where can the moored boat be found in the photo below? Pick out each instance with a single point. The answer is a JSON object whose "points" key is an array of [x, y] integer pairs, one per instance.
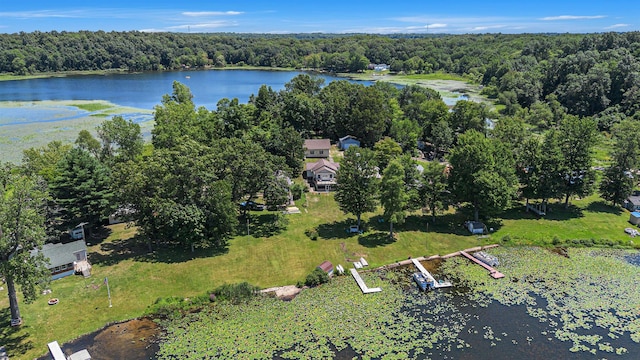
{"points": [[422, 281], [486, 258]]}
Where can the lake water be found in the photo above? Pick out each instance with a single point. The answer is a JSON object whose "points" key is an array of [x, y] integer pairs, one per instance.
{"points": [[145, 90]]}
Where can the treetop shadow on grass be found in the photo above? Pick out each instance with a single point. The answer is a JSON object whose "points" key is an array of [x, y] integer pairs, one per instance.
{"points": [[264, 224], [14, 339], [603, 207], [337, 229], [137, 248], [376, 239], [170, 254], [555, 212]]}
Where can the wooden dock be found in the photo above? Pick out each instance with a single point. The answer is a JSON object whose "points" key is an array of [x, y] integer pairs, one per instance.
{"points": [[365, 289], [428, 275], [493, 272]]}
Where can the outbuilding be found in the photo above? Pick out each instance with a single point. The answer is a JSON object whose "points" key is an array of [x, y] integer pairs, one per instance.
{"points": [[634, 218], [326, 267], [348, 141], [475, 227]]}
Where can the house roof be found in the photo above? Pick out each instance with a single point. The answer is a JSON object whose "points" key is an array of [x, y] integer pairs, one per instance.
{"points": [[61, 254], [326, 266], [635, 200], [348, 137], [317, 144], [315, 166]]}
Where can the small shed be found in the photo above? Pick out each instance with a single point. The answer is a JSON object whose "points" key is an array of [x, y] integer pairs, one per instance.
{"points": [[475, 227], [348, 141], [634, 218], [326, 267], [633, 202]]}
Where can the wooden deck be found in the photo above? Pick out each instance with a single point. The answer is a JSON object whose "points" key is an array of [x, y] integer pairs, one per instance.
{"points": [[493, 272], [365, 289]]}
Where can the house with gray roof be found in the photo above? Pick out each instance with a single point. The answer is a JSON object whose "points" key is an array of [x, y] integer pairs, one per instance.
{"points": [[65, 259], [317, 148], [322, 174], [633, 202]]}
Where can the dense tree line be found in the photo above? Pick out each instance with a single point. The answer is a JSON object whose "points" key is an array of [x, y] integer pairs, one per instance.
{"points": [[588, 74]]}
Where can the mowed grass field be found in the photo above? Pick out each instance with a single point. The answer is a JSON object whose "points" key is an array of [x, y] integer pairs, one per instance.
{"points": [[138, 278]]}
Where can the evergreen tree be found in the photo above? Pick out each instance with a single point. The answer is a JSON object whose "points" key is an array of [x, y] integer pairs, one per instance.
{"points": [[82, 189]]}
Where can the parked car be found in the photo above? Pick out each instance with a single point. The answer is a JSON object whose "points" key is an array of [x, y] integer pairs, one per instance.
{"points": [[251, 205], [354, 229]]}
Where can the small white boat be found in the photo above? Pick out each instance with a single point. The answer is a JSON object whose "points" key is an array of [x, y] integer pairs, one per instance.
{"points": [[357, 265], [340, 269], [363, 262]]}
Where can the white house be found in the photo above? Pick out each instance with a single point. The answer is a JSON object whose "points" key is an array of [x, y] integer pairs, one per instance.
{"points": [[322, 174]]}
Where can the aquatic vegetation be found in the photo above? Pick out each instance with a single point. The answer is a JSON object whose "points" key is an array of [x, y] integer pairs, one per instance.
{"points": [[590, 293], [589, 300]]}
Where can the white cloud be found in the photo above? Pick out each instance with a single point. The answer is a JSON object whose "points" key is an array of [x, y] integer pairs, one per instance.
{"points": [[571, 17], [617, 26], [211, 13], [436, 26], [209, 25], [487, 27], [39, 14]]}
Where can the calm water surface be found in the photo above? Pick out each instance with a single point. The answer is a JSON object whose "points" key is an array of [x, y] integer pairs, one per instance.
{"points": [[145, 90]]}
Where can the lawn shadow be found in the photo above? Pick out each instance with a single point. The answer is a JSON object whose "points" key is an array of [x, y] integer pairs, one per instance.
{"points": [[603, 207], [267, 224], [99, 235], [118, 250], [14, 338], [555, 212], [375, 239], [451, 223], [137, 248], [336, 229]]}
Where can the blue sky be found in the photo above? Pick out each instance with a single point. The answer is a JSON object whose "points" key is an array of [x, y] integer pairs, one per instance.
{"points": [[330, 16]]}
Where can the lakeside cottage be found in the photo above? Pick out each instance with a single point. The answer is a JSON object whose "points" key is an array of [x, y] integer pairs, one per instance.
{"points": [[66, 259], [317, 148]]}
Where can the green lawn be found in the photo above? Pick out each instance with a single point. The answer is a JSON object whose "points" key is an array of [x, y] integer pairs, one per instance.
{"points": [[137, 279]]}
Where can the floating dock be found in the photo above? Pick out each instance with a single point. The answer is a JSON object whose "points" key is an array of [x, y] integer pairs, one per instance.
{"points": [[365, 289], [437, 284], [493, 272]]}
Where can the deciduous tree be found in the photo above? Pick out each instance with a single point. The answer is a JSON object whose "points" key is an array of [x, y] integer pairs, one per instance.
{"points": [[393, 197], [357, 182], [23, 201]]}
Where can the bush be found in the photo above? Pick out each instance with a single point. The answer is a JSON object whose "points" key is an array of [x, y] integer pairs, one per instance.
{"points": [[297, 190], [235, 293], [312, 233], [505, 239], [174, 306], [556, 240], [316, 277]]}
